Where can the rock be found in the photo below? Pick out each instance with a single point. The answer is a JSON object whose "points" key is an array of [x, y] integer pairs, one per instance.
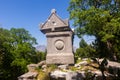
{"points": [[28, 76], [63, 66], [114, 64], [58, 74], [44, 66], [77, 65], [82, 73], [114, 68], [97, 73], [32, 67], [85, 59], [74, 76], [81, 63], [41, 63], [71, 76]]}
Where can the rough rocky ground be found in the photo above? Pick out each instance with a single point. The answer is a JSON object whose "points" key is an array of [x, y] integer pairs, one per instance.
{"points": [[84, 69]]}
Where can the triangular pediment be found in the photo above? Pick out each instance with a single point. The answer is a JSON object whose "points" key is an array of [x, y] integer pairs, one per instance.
{"points": [[54, 21]]}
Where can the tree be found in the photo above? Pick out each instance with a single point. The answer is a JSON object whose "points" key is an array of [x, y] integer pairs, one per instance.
{"points": [[85, 50], [23, 43], [83, 43], [23, 50], [39, 56], [16, 51], [99, 18], [5, 55]]}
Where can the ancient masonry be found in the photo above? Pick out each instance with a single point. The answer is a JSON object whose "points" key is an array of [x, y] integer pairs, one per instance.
{"points": [[59, 40]]}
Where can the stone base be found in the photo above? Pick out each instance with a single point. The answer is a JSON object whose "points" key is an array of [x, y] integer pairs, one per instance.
{"points": [[61, 58]]}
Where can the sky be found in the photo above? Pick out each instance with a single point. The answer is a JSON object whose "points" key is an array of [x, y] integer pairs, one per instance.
{"points": [[29, 14]]}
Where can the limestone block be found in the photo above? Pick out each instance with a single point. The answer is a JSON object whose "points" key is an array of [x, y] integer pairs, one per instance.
{"points": [[63, 66], [73, 76], [41, 63], [32, 67], [58, 74], [28, 76]]}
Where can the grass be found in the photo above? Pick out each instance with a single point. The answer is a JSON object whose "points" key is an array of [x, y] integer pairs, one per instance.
{"points": [[44, 75]]}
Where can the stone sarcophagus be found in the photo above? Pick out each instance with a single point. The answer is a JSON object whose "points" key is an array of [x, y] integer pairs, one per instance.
{"points": [[59, 40]]}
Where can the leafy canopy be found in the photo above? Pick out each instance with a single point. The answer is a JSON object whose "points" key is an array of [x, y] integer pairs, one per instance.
{"points": [[16, 52], [99, 18]]}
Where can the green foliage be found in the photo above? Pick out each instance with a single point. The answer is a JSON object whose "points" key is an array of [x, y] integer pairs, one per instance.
{"points": [[72, 68], [85, 50], [82, 43], [78, 60], [22, 48], [89, 75], [39, 56], [99, 18], [51, 67], [16, 52], [5, 55], [43, 76]]}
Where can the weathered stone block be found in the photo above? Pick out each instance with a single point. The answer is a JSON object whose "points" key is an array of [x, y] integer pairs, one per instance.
{"points": [[28, 76], [74, 76], [32, 67]]}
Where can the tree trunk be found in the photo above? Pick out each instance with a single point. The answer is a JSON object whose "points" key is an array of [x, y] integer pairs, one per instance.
{"points": [[112, 55]]}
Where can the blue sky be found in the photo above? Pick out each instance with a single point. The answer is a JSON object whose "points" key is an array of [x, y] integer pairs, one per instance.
{"points": [[29, 14]]}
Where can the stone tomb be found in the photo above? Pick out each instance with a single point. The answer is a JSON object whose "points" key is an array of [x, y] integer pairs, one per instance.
{"points": [[59, 40]]}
